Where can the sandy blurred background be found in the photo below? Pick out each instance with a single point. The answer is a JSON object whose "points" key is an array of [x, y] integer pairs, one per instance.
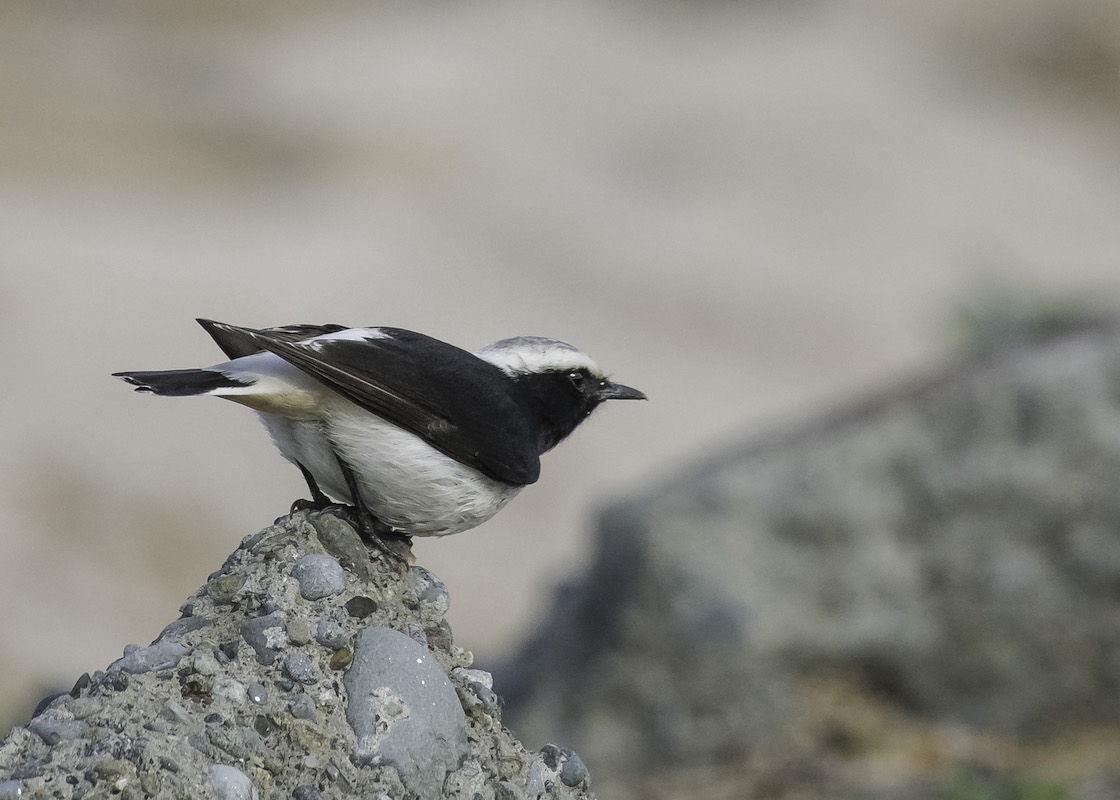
{"points": [[748, 210]]}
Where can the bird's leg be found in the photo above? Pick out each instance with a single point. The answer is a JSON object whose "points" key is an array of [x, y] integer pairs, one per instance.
{"points": [[373, 531], [318, 500]]}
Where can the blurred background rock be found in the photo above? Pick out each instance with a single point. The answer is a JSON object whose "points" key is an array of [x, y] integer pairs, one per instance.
{"points": [[751, 211]]}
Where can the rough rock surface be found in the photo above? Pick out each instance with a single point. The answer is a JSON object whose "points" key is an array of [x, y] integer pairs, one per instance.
{"points": [[305, 668], [956, 544]]}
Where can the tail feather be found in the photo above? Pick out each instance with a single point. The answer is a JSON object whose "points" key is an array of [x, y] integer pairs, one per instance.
{"points": [[179, 382]]}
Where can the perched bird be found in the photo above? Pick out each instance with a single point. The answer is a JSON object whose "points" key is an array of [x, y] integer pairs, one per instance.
{"points": [[420, 437]]}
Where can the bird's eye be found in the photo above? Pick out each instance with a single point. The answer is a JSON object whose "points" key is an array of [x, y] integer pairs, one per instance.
{"points": [[577, 378]]}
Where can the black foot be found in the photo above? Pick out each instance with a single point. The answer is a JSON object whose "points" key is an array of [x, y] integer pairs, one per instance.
{"points": [[318, 502], [375, 534], [310, 505]]}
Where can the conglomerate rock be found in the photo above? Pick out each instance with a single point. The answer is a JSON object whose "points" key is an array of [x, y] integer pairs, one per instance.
{"points": [[305, 668]]}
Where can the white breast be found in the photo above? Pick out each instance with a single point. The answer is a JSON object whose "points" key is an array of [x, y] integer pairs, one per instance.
{"points": [[405, 482]]}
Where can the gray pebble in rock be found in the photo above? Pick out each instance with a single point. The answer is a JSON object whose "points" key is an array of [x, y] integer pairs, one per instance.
{"points": [[227, 687], [303, 707], [574, 771], [9, 790], [299, 631], [257, 693], [86, 707], [535, 786], [241, 743], [206, 664], [266, 635], [230, 783], [161, 655], [343, 542], [404, 710], [416, 633], [360, 606], [330, 634], [319, 576], [507, 790], [485, 696], [176, 712], [182, 626], [224, 589], [429, 589], [299, 667], [307, 793], [53, 731], [115, 680]]}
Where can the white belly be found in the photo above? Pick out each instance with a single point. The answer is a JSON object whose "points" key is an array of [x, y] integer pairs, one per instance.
{"points": [[404, 482]]}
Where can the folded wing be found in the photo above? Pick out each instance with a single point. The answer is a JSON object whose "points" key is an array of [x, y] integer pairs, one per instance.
{"points": [[406, 378]]}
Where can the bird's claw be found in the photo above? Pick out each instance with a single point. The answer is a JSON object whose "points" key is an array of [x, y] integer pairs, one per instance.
{"points": [[303, 504]]}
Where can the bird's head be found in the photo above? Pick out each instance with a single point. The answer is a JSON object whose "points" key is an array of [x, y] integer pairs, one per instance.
{"points": [[565, 383]]}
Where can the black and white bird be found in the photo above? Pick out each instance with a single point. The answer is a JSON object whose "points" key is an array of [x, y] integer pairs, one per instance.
{"points": [[420, 437]]}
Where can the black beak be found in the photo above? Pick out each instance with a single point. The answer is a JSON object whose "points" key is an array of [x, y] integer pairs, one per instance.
{"points": [[616, 391]]}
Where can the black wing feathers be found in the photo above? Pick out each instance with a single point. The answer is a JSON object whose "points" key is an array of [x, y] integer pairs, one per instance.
{"points": [[178, 382], [455, 401], [235, 343]]}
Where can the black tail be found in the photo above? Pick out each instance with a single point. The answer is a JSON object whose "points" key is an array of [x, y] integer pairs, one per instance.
{"points": [[179, 382]]}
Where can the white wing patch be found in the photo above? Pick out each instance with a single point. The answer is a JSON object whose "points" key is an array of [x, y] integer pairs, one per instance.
{"points": [[525, 355], [348, 335]]}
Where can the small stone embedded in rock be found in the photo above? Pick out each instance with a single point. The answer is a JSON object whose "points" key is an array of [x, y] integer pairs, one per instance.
{"points": [[206, 664], [341, 658], [429, 590], [342, 541], [300, 667], [116, 679], [10, 790], [574, 771], [52, 730], [483, 697], [242, 743], [115, 771], [230, 783], [150, 782], [257, 693], [416, 633], [85, 707], [164, 654], [508, 790], [307, 793], [404, 710], [83, 681], [227, 687], [303, 707], [176, 713], [319, 576], [360, 607], [469, 676], [224, 588], [183, 626], [266, 635], [330, 634], [299, 631]]}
